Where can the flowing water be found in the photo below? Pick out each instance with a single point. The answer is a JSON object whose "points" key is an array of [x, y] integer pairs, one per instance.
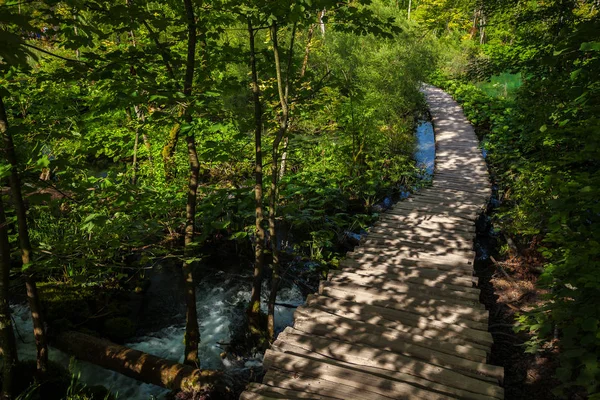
{"points": [[220, 301], [219, 308]]}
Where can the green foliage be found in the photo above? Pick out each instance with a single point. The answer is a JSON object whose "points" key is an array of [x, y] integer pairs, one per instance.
{"points": [[84, 81], [542, 144]]}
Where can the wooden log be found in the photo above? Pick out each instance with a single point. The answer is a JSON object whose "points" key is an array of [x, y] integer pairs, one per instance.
{"points": [[136, 364]]}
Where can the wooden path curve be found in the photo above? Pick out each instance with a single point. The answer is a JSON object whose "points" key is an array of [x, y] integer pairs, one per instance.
{"points": [[402, 318]]}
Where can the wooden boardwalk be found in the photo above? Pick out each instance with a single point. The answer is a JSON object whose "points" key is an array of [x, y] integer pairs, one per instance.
{"points": [[402, 318]]}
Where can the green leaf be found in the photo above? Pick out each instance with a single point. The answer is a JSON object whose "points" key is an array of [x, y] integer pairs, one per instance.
{"points": [[590, 46]]}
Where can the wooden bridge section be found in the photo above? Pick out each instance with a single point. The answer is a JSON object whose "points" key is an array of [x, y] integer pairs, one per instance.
{"points": [[402, 318]]}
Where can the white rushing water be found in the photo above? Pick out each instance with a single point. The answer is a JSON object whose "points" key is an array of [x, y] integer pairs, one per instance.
{"points": [[219, 308]]}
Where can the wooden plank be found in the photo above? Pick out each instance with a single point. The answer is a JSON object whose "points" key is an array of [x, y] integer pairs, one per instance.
{"points": [[437, 263], [426, 229], [442, 256], [402, 317], [392, 238], [363, 355], [466, 203], [442, 310], [347, 376], [447, 194], [304, 382], [408, 209], [398, 346], [256, 396], [452, 192], [429, 221], [417, 270], [368, 277], [373, 365], [388, 283], [418, 233], [403, 211], [405, 295], [432, 224], [280, 393], [445, 342], [428, 244]]}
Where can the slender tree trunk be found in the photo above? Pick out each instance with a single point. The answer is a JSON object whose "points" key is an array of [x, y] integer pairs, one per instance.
{"points": [[284, 155], [168, 150], [25, 245], [311, 31], [192, 331], [141, 117], [409, 8], [283, 90], [8, 345], [134, 163], [254, 306]]}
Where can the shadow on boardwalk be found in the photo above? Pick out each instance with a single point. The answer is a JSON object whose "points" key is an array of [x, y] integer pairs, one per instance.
{"points": [[402, 319]]}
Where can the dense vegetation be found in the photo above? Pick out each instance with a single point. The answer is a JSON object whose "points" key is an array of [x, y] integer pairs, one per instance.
{"points": [[538, 115], [140, 132]]}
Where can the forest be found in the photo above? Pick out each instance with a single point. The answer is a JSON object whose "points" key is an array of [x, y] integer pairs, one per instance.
{"points": [[177, 176]]}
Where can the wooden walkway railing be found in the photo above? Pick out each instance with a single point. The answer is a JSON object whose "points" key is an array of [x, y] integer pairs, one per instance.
{"points": [[402, 319]]}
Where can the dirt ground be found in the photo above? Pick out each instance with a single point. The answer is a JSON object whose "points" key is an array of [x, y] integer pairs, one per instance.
{"points": [[508, 285]]}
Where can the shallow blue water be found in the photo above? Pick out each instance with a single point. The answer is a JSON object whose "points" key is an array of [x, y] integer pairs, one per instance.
{"points": [[425, 148]]}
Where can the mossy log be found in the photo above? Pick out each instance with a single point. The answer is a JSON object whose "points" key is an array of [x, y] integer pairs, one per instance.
{"points": [[136, 364]]}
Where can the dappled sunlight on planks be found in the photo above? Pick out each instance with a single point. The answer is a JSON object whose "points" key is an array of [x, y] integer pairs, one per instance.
{"points": [[401, 319]]}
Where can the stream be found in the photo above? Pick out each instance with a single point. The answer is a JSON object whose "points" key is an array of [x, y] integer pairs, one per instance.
{"points": [[221, 296]]}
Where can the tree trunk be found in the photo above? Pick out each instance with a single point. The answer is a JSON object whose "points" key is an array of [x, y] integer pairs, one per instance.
{"points": [[283, 90], [311, 31], [134, 165], [8, 345], [25, 245], [192, 331], [168, 150], [136, 364], [254, 324]]}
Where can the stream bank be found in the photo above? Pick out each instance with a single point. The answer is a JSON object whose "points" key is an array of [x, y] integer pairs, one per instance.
{"points": [[222, 294]]}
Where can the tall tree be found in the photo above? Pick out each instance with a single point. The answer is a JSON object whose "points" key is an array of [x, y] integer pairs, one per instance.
{"points": [[254, 306], [8, 345], [192, 331], [39, 329], [283, 87]]}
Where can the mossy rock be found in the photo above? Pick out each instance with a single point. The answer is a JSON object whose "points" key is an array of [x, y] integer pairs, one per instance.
{"points": [[119, 329]]}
